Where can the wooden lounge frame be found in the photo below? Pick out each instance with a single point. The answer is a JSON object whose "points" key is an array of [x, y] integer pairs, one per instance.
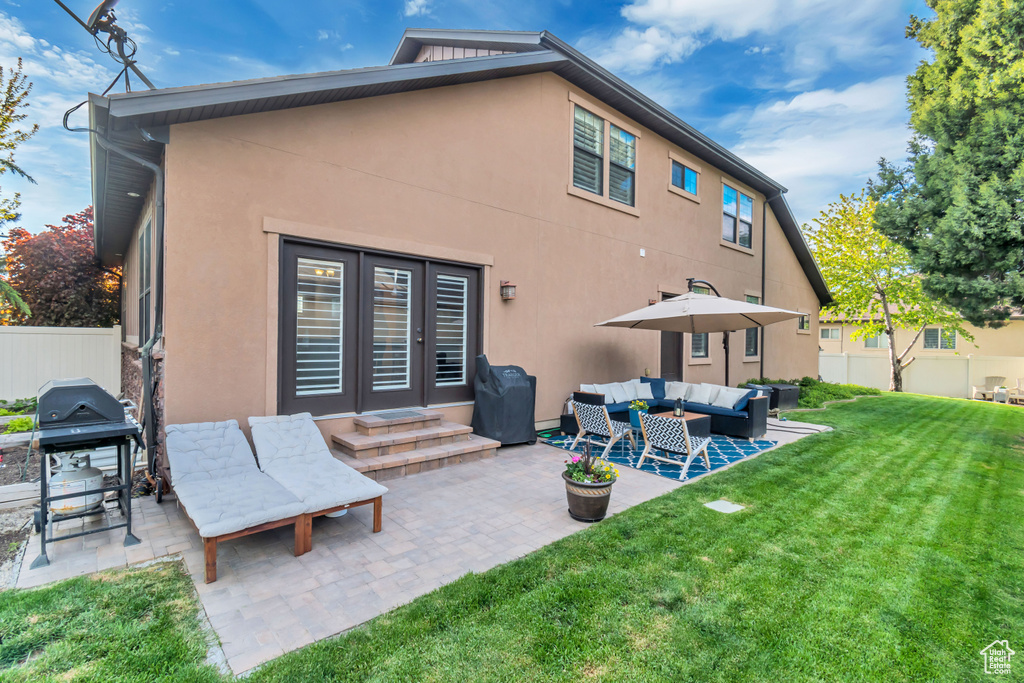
{"points": [[303, 531]]}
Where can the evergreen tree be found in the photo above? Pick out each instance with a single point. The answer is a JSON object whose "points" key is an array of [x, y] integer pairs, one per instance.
{"points": [[958, 207]]}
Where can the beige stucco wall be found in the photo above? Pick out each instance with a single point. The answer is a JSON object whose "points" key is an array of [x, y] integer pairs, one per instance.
{"points": [[1002, 341], [481, 169]]}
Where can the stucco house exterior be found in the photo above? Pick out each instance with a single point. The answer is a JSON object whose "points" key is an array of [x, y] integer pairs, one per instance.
{"points": [[336, 242]]}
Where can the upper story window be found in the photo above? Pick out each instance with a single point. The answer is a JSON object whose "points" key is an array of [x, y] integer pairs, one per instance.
{"points": [[684, 177], [588, 151], [830, 333], [622, 169], [737, 217], [938, 338], [592, 160]]}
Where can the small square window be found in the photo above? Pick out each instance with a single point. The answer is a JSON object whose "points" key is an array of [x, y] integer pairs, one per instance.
{"points": [[938, 338], [880, 341], [684, 177], [803, 323], [699, 345], [830, 333]]}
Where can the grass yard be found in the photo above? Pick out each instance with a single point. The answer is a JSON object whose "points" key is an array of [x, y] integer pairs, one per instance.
{"points": [[889, 550], [129, 625]]}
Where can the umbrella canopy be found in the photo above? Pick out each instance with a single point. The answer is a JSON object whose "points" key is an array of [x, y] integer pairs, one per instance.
{"points": [[696, 313]]}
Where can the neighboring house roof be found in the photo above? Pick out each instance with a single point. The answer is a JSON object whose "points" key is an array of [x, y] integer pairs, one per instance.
{"points": [[121, 117]]}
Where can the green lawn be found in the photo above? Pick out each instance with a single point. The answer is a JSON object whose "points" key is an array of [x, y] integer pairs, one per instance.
{"points": [[129, 625], [889, 550]]}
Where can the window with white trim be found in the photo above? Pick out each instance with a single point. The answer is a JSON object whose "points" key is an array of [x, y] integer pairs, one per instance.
{"points": [[830, 333], [939, 338], [751, 347], [737, 217], [590, 163], [880, 341]]}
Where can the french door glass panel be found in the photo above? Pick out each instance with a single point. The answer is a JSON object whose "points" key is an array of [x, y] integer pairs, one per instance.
{"points": [[452, 295], [319, 314], [392, 327]]}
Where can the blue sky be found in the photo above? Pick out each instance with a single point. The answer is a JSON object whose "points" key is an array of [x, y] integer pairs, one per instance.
{"points": [[812, 92]]}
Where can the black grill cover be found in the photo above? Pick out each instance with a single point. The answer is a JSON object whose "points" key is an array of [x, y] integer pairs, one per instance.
{"points": [[505, 397]]}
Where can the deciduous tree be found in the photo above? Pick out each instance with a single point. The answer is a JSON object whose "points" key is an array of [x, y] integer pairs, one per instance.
{"points": [[59, 276], [15, 99], [958, 206], [872, 279]]}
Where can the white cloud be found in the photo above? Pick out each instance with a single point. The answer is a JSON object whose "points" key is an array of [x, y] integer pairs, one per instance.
{"points": [[813, 34], [415, 8], [823, 142]]}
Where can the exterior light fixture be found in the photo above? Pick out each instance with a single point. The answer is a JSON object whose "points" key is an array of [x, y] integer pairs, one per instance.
{"points": [[133, 195], [508, 291], [651, 302]]}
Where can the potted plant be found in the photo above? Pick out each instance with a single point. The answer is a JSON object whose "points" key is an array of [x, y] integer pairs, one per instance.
{"points": [[635, 408], [588, 485]]}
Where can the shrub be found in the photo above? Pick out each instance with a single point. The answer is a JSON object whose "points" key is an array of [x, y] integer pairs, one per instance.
{"points": [[21, 406], [19, 424], [814, 393]]}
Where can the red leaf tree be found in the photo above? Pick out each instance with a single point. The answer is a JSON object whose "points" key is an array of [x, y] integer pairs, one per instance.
{"points": [[59, 276]]}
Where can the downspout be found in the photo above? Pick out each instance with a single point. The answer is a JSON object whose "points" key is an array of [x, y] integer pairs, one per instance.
{"points": [[764, 257], [146, 353]]}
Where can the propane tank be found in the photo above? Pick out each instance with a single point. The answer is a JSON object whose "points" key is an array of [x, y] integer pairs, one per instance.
{"points": [[75, 474]]}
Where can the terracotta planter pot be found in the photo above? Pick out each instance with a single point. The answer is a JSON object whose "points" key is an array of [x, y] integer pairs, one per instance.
{"points": [[587, 502]]}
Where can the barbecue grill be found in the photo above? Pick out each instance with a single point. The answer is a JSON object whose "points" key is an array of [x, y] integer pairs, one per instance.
{"points": [[77, 415]]}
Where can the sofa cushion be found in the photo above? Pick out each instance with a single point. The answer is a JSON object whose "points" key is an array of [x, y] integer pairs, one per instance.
{"points": [[589, 389], [728, 397], [643, 390], [674, 390], [700, 394], [657, 385], [628, 390], [620, 407], [704, 409], [606, 390], [742, 403]]}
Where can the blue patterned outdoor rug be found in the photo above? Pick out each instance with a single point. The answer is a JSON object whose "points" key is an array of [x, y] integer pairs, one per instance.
{"points": [[722, 451]]}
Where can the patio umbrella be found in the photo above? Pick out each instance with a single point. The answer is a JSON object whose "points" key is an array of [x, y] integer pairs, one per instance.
{"points": [[698, 313]]}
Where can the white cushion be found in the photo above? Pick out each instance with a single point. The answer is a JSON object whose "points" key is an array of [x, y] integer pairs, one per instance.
{"points": [[207, 450], [224, 506], [605, 389], [699, 393], [674, 390], [714, 389], [293, 452], [589, 389], [643, 390], [629, 390], [728, 397]]}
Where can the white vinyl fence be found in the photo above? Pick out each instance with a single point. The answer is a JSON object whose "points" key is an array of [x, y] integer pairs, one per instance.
{"points": [[32, 356], [944, 376]]}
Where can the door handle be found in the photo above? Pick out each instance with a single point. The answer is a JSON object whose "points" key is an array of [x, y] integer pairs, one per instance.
{"points": [[419, 339]]}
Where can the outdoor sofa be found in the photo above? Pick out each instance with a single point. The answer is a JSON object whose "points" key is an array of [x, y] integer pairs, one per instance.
{"points": [[741, 413]]}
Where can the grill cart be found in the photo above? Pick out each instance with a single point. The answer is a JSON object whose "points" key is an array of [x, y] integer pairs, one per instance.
{"points": [[77, 416]]}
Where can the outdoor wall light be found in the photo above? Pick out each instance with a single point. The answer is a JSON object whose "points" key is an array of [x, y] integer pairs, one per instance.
{"points": [[651, 302], [134, 195], [508, 291]]}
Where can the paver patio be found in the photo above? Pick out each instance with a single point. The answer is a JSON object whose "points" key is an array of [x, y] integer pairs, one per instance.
{"points": [[438, 525]]}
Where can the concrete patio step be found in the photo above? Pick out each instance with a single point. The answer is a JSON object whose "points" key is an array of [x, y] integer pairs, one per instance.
{"points": [[393, 421], [436, 433], [391, 465]]}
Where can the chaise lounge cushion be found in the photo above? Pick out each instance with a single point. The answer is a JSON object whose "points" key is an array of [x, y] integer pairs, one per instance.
{"points": [[216, 480], [293, 452]]}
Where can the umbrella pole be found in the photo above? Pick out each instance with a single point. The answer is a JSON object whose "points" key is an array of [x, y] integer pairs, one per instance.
{"points": [[725, 343]]}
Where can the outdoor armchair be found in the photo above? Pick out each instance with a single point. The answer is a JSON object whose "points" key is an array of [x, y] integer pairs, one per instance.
{"points": [[671, 436], [593, 419]]}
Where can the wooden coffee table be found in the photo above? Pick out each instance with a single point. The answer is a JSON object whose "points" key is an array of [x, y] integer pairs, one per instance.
{"points": [[697, 424]]}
